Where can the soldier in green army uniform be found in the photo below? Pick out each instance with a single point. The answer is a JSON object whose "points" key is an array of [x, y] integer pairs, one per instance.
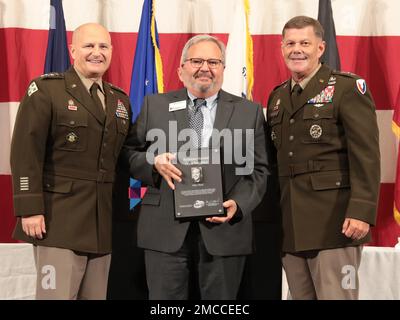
{"points": [[68, 133], [324, 134]]}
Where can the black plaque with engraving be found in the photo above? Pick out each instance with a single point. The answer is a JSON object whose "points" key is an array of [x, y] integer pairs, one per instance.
{"points": [[200, 193]]}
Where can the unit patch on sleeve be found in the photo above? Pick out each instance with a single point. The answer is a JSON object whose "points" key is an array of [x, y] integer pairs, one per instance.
{"points": [[32, 88]]}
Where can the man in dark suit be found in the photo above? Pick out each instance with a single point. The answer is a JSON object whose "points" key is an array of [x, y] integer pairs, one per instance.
{"points": [[324, 131], [214, 247], [68, 133]]}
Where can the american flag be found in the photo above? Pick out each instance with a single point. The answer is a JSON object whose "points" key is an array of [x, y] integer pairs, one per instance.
{"points": [[368, 38]]}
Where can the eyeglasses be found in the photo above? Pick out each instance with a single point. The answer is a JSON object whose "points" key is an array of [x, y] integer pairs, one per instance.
{"points": [[198, 62]]}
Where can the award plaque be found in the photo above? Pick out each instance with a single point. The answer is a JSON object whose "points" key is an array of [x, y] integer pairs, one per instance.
{"points": [[200, 192]]}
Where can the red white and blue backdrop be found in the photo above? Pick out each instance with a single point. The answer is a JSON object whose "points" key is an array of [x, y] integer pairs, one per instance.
{"points": [[368, 40]]}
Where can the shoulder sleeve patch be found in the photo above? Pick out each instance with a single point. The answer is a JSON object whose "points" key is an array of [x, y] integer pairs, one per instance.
{"points": [[32, 88], [361, 86]]}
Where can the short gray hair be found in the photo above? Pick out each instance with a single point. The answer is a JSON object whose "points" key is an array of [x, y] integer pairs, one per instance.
{"points": [[200, 38]]}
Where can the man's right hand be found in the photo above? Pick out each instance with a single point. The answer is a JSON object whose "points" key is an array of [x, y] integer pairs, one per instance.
{"points": [[164, 166], [34, 226]]}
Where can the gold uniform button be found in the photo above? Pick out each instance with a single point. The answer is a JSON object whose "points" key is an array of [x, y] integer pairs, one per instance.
{"points": [[290, 154], [338, 183], [72, 122], [316, 115], [291, 138], [291, 121]]}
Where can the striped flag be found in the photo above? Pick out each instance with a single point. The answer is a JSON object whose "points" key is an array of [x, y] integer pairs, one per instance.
{"points": [[239, 74], [147, 76], [57, 56], [325, 17], [368, 38], [396, 130]]}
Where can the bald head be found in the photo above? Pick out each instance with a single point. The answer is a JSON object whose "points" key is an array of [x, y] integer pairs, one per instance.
{"points": [[91, 50], [90, 28]]}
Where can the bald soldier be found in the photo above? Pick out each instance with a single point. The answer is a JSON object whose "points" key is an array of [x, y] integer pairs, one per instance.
{"points": [[67, 137], [324, 134]]}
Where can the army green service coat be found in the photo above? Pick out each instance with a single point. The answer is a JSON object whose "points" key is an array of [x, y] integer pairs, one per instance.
{"points": [[63, 156], [327, 155]]}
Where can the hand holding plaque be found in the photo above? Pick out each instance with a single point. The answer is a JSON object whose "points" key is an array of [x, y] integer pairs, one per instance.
{"points": [[200, 193]]}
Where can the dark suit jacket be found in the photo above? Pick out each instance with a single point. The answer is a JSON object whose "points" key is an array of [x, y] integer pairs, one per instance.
{"points": [[327, 154], [66, 149], [158, 229]]}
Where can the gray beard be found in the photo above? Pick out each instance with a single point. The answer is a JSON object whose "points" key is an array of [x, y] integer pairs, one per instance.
{"points": [[204, 88]]}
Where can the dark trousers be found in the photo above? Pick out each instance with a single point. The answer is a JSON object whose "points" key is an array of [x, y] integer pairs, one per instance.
{"points": [[262, 276], [168, 274], [127, 278]]}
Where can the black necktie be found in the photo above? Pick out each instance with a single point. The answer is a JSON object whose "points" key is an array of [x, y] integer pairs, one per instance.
{"points": [[296, 91], [196, 121], [95, 96]]}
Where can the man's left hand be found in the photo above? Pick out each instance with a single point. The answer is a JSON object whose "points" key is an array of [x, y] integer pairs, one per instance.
{"points": [[355, 229], [231, 208]]}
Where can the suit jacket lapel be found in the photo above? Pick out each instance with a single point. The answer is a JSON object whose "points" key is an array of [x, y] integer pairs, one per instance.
{"points": [[314, 87], [180, 116], [224, 111], [75, 88]]}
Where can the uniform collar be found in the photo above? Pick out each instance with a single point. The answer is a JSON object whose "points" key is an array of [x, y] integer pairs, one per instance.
{"points": [[303, 83], [88, 82]]}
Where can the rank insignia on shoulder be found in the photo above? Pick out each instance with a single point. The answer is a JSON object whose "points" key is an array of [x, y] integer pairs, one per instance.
{"points": [[32, 88], [361, 85], [117, 88], [52, 75]]}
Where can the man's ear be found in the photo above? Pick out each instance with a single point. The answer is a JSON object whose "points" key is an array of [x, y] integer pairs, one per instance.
{"points": [[72, 51], [321, 47], [179, 72]]}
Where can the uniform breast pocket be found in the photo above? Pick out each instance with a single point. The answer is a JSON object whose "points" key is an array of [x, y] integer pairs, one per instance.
{"points": [[275, 122], [318, 123], [71, 131], [122, 131]]}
